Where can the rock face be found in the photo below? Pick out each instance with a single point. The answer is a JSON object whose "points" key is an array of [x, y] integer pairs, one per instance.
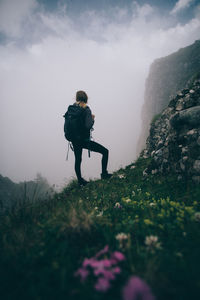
{"points": [[167, 76], [174, 140]]}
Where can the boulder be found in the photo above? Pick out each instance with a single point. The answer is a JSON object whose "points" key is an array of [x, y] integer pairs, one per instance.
{"points": [[189, 117]]}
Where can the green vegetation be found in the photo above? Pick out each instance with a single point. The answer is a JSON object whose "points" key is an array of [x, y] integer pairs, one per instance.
{"points": [[155, 118], [42, 246]]}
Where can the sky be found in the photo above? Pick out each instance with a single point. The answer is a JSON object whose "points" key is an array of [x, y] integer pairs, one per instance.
{"points": [[50, 49]]}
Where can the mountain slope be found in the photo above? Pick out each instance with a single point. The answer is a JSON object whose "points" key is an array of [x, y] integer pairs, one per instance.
{"points": [[43, 246]]}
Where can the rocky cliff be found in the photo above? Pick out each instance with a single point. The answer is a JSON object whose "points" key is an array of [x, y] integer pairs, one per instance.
{"points": [[174, 140], [167, 76]]}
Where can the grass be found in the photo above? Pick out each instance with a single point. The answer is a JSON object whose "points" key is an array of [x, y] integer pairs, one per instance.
{"points": [[42, 246]]}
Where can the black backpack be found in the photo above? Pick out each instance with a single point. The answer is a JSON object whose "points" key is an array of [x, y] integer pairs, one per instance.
{"points": [[74, 123]]}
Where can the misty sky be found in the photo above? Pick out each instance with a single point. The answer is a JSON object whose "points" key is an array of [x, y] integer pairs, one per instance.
{"points": [[50, 49]]}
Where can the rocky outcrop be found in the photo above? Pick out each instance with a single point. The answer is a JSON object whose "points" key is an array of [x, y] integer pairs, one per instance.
{"points": [[174, 140], [167, 76]]}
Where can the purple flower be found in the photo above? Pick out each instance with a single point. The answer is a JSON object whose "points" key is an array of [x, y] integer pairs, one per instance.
{"points": [[87, 262], [107, 274], [118, 256], [103, 251], [116, 270], [83, 273], [100, 266], [104, 269], [102, 284], [136, 289], [106, 263]]}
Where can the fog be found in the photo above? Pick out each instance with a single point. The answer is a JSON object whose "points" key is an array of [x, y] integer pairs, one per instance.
{"points": [[45, 57]]}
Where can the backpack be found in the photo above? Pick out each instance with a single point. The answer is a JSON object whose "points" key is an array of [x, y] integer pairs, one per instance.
{"points": [[74, 123]]}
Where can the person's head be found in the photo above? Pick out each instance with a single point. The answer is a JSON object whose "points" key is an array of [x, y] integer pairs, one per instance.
{"points": [[81, 96]]}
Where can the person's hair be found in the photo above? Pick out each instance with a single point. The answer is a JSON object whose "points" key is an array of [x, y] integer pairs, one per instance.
{"points": [[81, 96]]}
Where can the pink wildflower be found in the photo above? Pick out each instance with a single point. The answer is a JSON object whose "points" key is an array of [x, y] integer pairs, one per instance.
{"points": [[87, 262], [106, 263], [104, 269], [107, 274], [102, 285], [103, 251], [103, 263], [83, 273], [118, 256], [116, 270], [96, 264], [136, 289]]}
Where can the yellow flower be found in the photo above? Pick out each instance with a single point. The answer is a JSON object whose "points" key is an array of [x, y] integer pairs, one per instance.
{"points": [[189, 209], [162, 202], [160, 216], [148, 222], [172, 203]]}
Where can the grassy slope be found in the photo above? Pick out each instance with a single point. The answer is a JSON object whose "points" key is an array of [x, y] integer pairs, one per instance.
{"points": [[42, 246]]}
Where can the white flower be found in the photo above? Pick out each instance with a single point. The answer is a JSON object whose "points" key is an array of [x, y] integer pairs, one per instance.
{"points": [[121, 176], [96, 208], [152, 242], [152, 204], [127, 200], [100, 214], [197, 216], [152, 239], [133, 193], [117, 205], [133, 167], [121, 236]]}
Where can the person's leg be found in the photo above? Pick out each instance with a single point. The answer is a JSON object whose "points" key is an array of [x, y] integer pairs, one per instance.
{"points": [[78, 159], [96, 147]]}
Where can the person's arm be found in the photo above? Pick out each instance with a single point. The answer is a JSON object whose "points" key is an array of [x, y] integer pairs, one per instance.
{"points": [[89, 119]]}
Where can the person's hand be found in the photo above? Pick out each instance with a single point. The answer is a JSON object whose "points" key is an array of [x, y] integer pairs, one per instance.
{"points": [[93, 117]]}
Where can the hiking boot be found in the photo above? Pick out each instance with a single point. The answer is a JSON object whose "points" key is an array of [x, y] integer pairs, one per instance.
{"points": [[82, 182], [106, 175]]}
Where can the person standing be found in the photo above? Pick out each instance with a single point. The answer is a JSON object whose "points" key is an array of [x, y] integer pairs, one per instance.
{"points": [[81, 136]]}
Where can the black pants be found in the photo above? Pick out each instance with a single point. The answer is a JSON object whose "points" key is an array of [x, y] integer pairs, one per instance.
{"points": [[93, 146]]}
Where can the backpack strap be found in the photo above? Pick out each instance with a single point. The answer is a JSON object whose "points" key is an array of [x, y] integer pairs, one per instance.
{"points": [[69, 146]]}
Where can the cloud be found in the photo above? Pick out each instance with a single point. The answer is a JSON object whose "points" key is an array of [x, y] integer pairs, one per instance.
{"points": [[13, 14], [197, 11], [39, 78], [180, 5]]}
